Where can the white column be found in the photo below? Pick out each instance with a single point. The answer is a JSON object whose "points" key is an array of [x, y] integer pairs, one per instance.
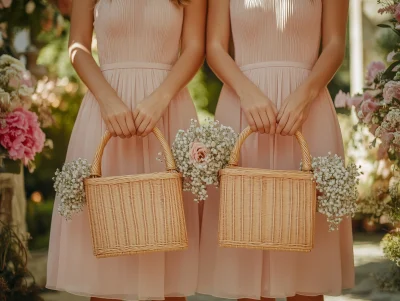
{"points": [[356, 47]]}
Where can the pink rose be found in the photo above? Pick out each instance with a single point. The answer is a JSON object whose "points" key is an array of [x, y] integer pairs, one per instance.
{"points": [[342, 99], [397, 13], [198, 152], [390, 91], [373, 70], [22, 136]]}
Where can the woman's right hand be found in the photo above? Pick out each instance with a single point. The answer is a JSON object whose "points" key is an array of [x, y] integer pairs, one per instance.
{"points": [[259, 110], [118, 118]]}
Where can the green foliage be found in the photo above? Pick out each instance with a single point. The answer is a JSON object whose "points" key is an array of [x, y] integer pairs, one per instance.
{"points": [[55, 57], [389, 282], [38, 219], [16, 282], [391, 247], [17, 18]]}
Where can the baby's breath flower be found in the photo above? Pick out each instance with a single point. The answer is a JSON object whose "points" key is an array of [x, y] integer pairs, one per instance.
{"points": [[200, 152], [69, 186], [337, 198]]}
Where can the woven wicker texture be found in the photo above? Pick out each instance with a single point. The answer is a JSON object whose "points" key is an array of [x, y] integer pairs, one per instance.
{"points": [[137, 213], [267, 209]]}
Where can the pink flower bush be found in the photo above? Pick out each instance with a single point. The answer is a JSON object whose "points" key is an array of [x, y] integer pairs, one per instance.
{"points": [[21, 136], [367, 108], [198, 152], [373, 70], [391, 91], [342, 99]]}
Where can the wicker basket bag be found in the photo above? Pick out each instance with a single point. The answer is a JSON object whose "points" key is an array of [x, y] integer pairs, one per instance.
{"points": [[267, 209], [137, 213]]}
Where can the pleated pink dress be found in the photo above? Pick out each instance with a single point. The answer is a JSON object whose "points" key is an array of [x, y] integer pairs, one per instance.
{"points": [[138, 42], [276, 44]]}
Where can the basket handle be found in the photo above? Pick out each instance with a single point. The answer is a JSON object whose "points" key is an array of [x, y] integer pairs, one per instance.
{"points": [[235, 154], [169, 158]]}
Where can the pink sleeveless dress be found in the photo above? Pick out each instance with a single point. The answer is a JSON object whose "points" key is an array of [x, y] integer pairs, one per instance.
{"points": [[138, 42], [276, 43]]}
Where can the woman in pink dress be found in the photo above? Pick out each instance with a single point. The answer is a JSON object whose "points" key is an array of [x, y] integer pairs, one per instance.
{"points": [[276, 83], [149, 50]]}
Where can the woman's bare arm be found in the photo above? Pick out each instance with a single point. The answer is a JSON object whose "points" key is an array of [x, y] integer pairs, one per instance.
{"points": [[190, 60], [295, 108], [115, 113], [260, 111]]}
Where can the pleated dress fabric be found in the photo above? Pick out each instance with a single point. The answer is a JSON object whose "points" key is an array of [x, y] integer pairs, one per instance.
{"points": [[138, 42], [276, 44]]}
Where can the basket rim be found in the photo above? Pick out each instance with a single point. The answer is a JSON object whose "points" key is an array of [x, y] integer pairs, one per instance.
{"points": [[164, 175], [238, 170]]}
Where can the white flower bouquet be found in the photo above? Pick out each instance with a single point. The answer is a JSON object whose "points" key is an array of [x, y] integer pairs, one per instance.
{"points": [[200, 152], [69, 186], [337, 188]]}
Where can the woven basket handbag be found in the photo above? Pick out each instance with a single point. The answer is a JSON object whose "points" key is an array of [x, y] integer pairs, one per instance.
{"points": [[137, 213], [267, 209]]}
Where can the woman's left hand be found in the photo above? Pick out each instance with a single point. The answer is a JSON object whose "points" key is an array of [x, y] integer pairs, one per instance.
{"points": [[294, 111], [148, 113]]}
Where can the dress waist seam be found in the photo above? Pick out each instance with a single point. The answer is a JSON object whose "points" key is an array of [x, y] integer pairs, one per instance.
{"points": [[135, 65], [277, 64]]}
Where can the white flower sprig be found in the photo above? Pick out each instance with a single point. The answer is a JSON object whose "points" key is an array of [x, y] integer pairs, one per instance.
{"points": [[337, 187], [200, 152], [69, 186]]}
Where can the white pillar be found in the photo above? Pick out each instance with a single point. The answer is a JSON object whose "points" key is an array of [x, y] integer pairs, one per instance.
{"points": [[356, 47]]}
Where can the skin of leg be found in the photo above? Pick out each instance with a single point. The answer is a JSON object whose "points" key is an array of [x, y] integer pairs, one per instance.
{"points": [[306, 298]]}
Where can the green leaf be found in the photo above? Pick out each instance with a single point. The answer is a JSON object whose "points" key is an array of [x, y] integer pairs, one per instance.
{"points": [[373, 143], [384, 26], [396, 57], [391, 67]]}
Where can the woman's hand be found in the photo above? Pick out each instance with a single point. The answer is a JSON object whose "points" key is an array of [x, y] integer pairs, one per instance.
{"points": [[259, 110], [294, 111], [118, 118], [148, 113]]}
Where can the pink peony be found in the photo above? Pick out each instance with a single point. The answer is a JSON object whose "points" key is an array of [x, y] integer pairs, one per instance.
{"points": [[198, 152], [373, 70], [390, 91], [342, 99], [22, 136]]}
